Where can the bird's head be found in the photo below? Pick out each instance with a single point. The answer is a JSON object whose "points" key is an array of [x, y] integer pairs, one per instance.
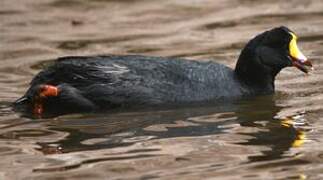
{"points": [[265, 55]]}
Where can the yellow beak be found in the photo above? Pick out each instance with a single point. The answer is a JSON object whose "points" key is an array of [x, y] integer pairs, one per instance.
{"points": [[298, 58]]}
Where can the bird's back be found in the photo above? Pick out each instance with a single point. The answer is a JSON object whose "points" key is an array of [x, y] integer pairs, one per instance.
{"points": [[133, 79]]}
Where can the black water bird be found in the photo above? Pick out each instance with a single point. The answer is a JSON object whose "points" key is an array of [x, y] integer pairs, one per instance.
{"points": [[84, 84]]}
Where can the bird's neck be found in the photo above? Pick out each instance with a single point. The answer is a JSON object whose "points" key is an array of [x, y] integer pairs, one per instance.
{"points": [[253, 75]]}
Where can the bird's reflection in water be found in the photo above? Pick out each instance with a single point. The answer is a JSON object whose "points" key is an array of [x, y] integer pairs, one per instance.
{"points": [[277, 134], [90, 132], [126, 128]]}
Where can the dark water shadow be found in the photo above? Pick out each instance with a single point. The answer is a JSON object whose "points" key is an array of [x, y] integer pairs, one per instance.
{"points": [[123, 128], [119, 129], [277, 134]]}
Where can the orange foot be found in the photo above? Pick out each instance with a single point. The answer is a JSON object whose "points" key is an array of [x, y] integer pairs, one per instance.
{"points": [[43, 92]]}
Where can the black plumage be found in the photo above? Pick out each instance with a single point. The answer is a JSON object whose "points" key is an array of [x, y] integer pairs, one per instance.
{"points": [[113, 81]]}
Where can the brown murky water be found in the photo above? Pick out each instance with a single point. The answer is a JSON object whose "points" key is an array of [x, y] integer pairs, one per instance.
{"points": [[269, 137]]}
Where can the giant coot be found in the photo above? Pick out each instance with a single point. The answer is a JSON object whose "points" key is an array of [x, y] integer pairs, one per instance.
{"points": [[84, 84]]}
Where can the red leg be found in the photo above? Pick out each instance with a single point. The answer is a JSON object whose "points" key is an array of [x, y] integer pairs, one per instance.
{"points": [[44, 91], [47, 91]]}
